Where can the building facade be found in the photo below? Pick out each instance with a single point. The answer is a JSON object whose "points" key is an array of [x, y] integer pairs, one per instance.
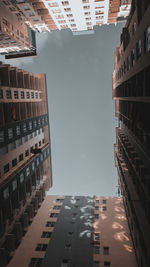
{"points": [[77, 231], [16, 38], [131, 82], [25, 163]]}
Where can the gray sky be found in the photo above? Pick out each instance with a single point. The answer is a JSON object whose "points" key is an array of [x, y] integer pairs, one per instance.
{"points": [[82, 120]]}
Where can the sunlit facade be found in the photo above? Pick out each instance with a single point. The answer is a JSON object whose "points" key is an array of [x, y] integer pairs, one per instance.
{"points": [[77, 231], [25, 159], [131, 84]]}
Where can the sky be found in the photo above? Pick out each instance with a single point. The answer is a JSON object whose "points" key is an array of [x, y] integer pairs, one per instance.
{"points": [[81, 110]]}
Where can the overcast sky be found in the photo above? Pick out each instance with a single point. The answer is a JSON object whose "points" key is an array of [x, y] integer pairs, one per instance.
{"points": [[82, 119]]}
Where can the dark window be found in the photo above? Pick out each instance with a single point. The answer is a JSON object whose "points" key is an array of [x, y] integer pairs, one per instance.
{"points": [[96, 216], [56, 207], [148, 39], [35, 262], [21, 157], [138, 49], [22, 94], [26, 138], [1, 93], [39, 143], [6, 168], [107, 263], [104, 201], [97, 201], [68, 246], [46, 234], [26, 153], [41, 247], [96, 237], [104, 208], [97, 208], [14, 162], [8, 94], [65, 263], [70, 233], [96, 264], [106, 250], [16, 94], [50, 224], [54, 215], [59, 200], [132, 57], [28, 95], [1, 136], [96, 250]]}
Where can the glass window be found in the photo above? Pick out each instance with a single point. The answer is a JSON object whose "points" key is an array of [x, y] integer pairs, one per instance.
{"points": [[19, 142], [96, 216], [1, 136], [14, 162], [96, 250], [26, 138], [107, 263], [54, 215], [21, 177], [21, 157], [148, 39], [1, 93], [6, 168], [18, 130], [14, 185], [22, 94], [35, 262], [28, 95], [32, 94], [30, 125], [138, 49], [50, 224], [8, 94], [12, 145], [27, 171], [104, 208], [46, 234], [106, 250], [6, 193], [26, 7], [56, 207], [16, 94], [10, 133], [104, 201], [41, 247]]}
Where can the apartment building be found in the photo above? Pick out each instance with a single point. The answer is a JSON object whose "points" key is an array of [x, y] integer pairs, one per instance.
{"points": [[80, 16], [25, 158], [77, 231], [16, 38], [131, 82]]}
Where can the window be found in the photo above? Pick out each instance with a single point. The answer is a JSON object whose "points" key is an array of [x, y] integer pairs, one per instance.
{"points": [[21, 157], [6, 193], [10, 133], [41, 247], [97, 208], [96, 264], [12, 145], [138, 49], [6, 168], [31, 14], [14, 185], [106, 250], [97, 201], [96, 250], [65, 263], [26, 8], [54, 215], [35, 262], [26, 153], [19, 142], [18, 130], [107, 263], [104, 201], [22, 94], [56, 207], [26, 138], [21, 177], [50, 224], [14, 162], [28, 95], [148, 39], [27, 171], [24, 127], [70, 233], [32, 94], [132, 57], [8, 94], [36, 95], [30, 125], [128, 63], [96, 216], [104, 208], [68, 246], [16, 94], [96, 237], [59, 200], [46, 234], [1, 93], [1, 136]]}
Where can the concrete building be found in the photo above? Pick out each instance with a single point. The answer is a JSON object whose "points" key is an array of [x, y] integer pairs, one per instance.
{"points": [[25, 164], [81, 16], [131, 82], [77, 231], [16, 38]]}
